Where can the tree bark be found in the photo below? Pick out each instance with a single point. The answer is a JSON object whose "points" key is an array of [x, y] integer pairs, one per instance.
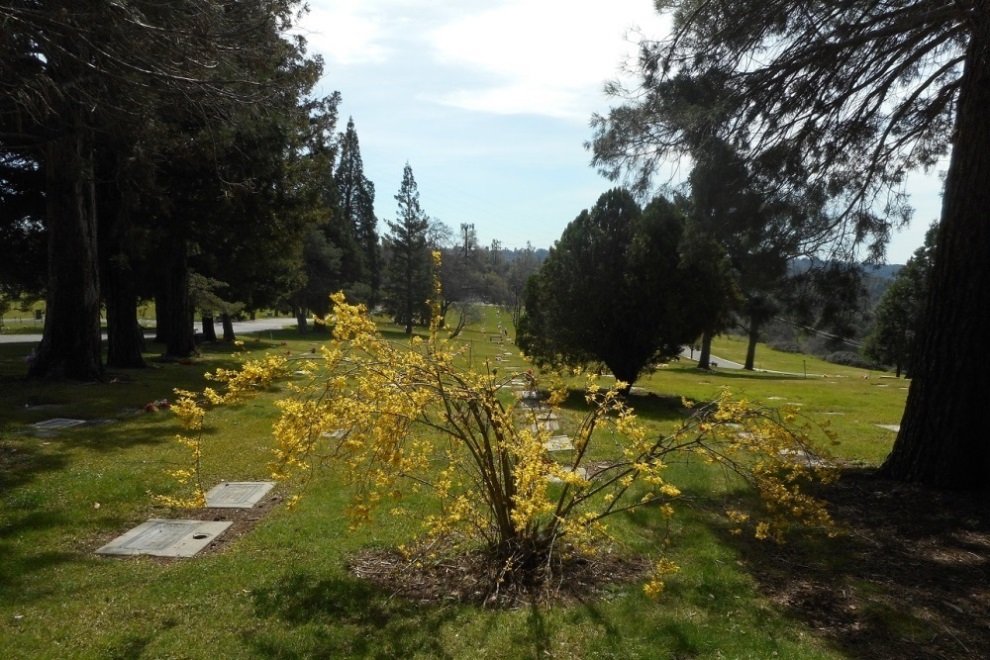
{"points": [[942, 441], [125, 338], [209, 331], [161, 313], [228, 328], [179, 321], [301, 320], [752, 335], [71, 344], [705, 356]]}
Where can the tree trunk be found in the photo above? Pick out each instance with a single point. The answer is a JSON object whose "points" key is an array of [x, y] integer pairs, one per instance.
{"points": [[209, 331], [752, 335], [301, 320], [942, 440], [161, 313], [125, 338], [71, 344], [179, 322], [228, 328], [705, 356]]}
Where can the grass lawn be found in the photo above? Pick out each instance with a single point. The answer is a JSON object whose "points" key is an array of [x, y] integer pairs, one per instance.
{"points": [[283, 589]]}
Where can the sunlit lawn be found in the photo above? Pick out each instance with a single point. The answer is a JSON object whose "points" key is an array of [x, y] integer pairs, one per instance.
{"points": [[284, 590]]}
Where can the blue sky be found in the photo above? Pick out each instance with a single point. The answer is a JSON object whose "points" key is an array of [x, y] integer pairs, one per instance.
{"points": [[489, 102]]}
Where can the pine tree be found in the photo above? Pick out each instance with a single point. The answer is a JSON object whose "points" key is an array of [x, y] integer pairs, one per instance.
{"points": [[356, 201], [409, 267]]}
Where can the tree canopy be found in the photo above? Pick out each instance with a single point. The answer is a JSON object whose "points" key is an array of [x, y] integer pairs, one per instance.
{"points": [[612, 290], [106, 100], [844, 99]]}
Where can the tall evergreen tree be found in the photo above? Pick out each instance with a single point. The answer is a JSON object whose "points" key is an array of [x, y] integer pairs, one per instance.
{"points": [[410, 266], [356, 202], [75, 72], [612, 290], [894, 337]]}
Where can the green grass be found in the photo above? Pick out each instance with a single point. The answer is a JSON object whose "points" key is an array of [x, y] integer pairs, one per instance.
{"points": [[283, 590]]}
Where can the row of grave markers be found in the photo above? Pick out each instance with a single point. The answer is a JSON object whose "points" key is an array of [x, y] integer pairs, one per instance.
{"points": [[184, 538]]}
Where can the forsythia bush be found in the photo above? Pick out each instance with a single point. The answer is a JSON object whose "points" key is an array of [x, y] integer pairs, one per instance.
{"points": [[404, 419]]}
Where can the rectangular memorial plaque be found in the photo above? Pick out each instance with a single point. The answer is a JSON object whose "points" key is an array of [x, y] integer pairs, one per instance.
{"points": [[237, 494], [545, 425], [581, 472], [558, 443], [166, 538], [58, 423]]}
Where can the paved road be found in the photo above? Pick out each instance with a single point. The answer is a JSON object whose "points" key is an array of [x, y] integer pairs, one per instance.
{"points": [[240, 328], [717, 362]]}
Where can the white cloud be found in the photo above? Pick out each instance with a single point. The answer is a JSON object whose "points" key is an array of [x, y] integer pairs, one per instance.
{"points": [[346, 32], [546, 57]]}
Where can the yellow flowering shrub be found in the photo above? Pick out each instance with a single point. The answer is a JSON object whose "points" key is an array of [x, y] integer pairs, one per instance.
{"points": [[407, 418]]}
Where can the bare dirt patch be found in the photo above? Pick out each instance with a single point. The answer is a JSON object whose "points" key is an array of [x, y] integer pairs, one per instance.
{"points": [[477, 578]]}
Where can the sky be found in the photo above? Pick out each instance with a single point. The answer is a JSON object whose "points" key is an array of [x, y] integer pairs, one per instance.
{"points": [[489, 102]]}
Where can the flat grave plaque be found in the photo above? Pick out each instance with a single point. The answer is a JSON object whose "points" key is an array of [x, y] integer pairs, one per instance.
{"points": [[896, 428], [581, 472], [558, 443], [166, 538], [237, 494], [546, 425], [58, 423]]}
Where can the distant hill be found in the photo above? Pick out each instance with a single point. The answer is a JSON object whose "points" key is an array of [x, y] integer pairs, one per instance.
{"points": [[886, 271]]}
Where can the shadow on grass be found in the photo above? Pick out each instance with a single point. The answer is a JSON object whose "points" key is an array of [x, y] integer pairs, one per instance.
{"points": [[18, 566], [908, 578], [652, 407], [21, 463], [346, 617]]}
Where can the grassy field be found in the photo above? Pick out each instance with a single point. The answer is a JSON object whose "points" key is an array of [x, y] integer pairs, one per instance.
{"points": [[283, 589]]}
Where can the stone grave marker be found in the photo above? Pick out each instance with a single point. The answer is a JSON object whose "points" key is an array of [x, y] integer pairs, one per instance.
{"points": [[580, 471], [559, 443], [166, 538], [237, 494], [58, 423], [896, 428], [546, 425]]}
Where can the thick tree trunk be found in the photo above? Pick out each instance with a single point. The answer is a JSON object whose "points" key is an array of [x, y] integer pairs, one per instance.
{"points": [[942, 441], [179, 322], [209, 331], [301, 320], [125, 338], [228, 328], [161, 313], [71, 344], [752, 335], [705, 356]]}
